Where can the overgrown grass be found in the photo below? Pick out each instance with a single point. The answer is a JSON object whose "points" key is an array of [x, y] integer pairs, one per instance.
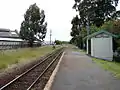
{"points": [[20, 55], [113, 67]]}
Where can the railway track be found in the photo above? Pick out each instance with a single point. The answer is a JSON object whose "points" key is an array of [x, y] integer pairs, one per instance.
{"points": [[30, 78]]}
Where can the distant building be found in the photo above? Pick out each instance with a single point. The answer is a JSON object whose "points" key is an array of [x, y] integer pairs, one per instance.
{"points": [[7, 33], [47, 43], [8, 37]]}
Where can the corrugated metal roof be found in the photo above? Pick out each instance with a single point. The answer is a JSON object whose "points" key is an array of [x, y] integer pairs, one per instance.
{"points": [[8, 34], [99, 32], [4, 30]]}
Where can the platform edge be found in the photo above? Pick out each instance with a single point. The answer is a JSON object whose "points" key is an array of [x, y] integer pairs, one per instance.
{"points": [[52, 77]]}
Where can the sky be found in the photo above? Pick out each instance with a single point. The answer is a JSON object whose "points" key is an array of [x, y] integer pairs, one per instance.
{"points": [[59, 14]]}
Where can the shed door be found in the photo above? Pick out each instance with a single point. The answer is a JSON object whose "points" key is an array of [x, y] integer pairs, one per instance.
{"points": [[102, 48], [89, 47]]}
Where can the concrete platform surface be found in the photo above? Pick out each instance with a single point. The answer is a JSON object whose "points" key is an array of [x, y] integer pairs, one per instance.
{"points": [[78, 72]]}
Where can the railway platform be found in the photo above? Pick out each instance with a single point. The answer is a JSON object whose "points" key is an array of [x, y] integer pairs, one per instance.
{"points": [[78, 72]]}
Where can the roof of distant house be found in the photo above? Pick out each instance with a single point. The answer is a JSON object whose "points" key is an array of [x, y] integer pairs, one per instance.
{"points": [[4, 30], [7, 33]]}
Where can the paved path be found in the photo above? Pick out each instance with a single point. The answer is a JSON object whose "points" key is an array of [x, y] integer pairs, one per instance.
{"points": [[78, 72]]}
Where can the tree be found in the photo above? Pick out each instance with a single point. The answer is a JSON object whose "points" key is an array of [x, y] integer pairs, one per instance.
{"points": [[34, 26], [93, 13], [73, 41], [115, 29], [75, 28], [57, 42], [112, 26], [96, 11], [64, 42], [78, 32]]}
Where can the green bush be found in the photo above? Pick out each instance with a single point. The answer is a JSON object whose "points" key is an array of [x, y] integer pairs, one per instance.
{"points": [[57, 42], [118, 50], [116, 56]]}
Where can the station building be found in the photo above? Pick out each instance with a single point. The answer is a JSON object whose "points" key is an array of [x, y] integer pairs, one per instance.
{"points": [[100, 45]]}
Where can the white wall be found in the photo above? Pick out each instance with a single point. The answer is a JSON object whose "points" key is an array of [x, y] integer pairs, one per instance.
{"points": [[87, 46], [102, 48]]}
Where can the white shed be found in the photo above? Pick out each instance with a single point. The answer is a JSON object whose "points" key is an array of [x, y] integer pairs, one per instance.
{"points": [[100, 45]]}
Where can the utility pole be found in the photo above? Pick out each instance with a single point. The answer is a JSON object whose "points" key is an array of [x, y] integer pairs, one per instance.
{"points": [[88, 26], [50, 36], [88, 32]]}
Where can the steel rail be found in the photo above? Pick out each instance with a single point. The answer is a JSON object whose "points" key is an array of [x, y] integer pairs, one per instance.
{"points": [[24, 73], [30, 87]]}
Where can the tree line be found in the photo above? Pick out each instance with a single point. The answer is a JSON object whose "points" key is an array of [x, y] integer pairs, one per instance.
{"points": [[94, 15], [58, 42]]}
